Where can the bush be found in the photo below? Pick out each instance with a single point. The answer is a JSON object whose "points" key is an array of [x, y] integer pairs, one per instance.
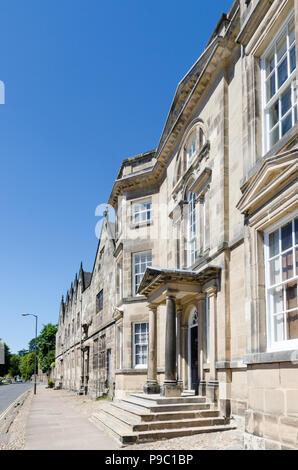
{"points": [[51, 384]]}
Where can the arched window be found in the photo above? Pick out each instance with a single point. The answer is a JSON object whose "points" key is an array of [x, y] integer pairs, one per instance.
{"points": [[192, 228], [191, 149]]}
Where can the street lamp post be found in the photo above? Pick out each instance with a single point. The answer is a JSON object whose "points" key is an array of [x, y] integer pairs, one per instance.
{"points": [[35, 355]]}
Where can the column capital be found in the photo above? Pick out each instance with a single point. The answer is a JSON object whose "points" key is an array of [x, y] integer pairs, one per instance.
{"points": [[211, 291], [152, 307], [170, 296]]}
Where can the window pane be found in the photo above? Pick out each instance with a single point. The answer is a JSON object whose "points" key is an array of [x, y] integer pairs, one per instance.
{"points": [[274, 271], [296, 231], [282, 72], [287, 265], [281, 46], [286, 101], [273, 243], [270, 63], [273, 115], [293, 59], [286, 124], [296, 261], [271, 89], [286, 236], [276, 295], [278, 327], [274, 136], [292, 324], [291, 31], [291, 296]]}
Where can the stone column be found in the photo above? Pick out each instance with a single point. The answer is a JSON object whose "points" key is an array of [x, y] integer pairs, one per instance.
{"points": [[212, 387], [178, 346], [152, 385], [170, 386]]}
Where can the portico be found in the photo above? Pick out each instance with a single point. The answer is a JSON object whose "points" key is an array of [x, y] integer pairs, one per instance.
{"points": [[185, 295]]}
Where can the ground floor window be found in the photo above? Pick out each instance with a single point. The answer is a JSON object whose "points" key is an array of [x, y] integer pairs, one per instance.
{"points": [[281, 255], [140, 335]]}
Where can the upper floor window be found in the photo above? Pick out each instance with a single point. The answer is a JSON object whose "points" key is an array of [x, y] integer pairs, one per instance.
{"points": [[279, 77], [99, 301], [140, 263], [141, 211], [191, 149], [192, 228], [281, 257]]}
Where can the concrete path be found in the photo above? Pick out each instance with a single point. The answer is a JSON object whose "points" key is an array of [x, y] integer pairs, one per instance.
{"points": [[55, 425]]}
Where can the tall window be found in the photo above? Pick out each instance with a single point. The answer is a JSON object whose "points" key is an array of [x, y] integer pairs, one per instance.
{"points": [[192, 228], [99, 301], [141, 334], [119, 281], [141, 211], [280, 94], [140, 263], [281, 284], [191, 149]]}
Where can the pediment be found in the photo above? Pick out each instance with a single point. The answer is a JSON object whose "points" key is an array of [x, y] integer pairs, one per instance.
{"points": [[274, 175]]}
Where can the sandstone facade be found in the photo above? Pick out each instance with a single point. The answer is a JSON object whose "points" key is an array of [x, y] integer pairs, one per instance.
{"points": [[198, 278]]}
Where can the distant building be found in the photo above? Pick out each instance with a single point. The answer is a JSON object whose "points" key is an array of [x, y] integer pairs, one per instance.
{"points": [[196, 286]]}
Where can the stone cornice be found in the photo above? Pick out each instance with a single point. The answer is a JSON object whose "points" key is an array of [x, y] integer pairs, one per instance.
{"points": [[275, 174], [253, 21]]}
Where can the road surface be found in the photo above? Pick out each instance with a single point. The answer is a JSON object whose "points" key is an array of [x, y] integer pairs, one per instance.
{"points": [[9, 393]]}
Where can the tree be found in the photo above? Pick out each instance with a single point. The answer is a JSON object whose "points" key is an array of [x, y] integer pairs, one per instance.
{"points": [[27, 365], [14, 365], [31, 345], [22, 352], [46, 343]]}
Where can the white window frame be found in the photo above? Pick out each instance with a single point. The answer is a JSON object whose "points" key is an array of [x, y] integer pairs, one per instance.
{"points": [[135, 365], [134, 273], [276, 98], [191, 228], [271, 344], [139, 209]]}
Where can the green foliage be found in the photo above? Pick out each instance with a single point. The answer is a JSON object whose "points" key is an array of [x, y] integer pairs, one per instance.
{"points": [[27, 366], [14, 365], [51, 384], [22, 352], [46, 343], [31, 345]]}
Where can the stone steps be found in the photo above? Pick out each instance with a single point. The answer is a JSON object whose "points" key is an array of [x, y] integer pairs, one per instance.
{"points": [[154, 407], [145, 415], [125, 436], [142, 418]]}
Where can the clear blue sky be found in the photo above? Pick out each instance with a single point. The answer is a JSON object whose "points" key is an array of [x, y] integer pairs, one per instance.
{"points": [[88, 83]]}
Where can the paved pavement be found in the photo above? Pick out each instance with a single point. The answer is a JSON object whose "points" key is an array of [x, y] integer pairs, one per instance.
{"points": [[9, 393], [55, 425]]}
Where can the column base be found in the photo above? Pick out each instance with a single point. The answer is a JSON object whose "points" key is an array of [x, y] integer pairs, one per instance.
{"points": [[202, 388], [171, 390], [152, 388], [212, 390]]}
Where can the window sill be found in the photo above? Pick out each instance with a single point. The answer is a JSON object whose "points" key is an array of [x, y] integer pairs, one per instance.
{"points": [[271, 357], [147, 223]]}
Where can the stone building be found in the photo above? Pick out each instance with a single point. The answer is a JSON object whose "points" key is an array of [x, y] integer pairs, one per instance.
{"points": [[200, 279]]}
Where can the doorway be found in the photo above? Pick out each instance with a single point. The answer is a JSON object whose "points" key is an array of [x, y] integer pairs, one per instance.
{"points": [[193, 350]]}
